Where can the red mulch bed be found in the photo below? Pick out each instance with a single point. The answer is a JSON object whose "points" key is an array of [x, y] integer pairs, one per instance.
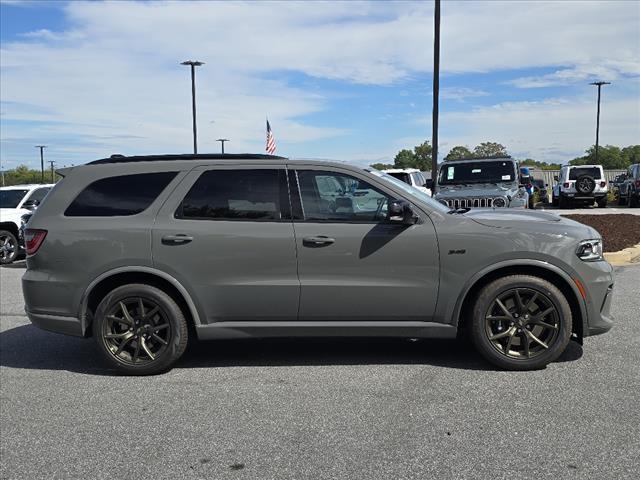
{"points": [[618, 231]]}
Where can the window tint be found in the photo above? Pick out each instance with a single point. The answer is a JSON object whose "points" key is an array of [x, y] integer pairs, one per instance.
{"points": [[39, 194], [335, 197], [402, 176], [123, 195], [236, 195], [11, 198], [594, 172]]}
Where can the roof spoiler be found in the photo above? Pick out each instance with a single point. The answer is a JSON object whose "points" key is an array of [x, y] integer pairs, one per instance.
{"points": [[64, 171]]}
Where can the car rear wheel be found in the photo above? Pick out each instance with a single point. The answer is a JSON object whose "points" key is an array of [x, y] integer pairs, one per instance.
{"points": [[563, 202], [521, 322], [8, 247], [140, 330], [602, 202], [633, 200]]}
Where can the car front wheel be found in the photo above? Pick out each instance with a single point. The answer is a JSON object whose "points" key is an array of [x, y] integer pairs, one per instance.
{"points": [[8, 247], [521, 322], [140, 330]]}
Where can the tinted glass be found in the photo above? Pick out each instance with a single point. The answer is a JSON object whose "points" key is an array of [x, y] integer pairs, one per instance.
{"points": [[11, 198], [39, 194], [477, 172], [402, 176], [236, 195], [336, 197], [574, 173], [116, 196]]}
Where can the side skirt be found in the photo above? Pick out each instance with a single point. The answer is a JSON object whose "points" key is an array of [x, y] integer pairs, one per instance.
{"points": [[222, 330]]}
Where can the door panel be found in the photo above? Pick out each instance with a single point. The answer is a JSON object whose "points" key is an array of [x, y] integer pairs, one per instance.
{"points": [[370, 269], [232, 242]]}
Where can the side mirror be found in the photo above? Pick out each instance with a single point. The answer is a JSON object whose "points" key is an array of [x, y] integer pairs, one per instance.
{"points": [[31, 204], [555, 177], [428, 184], [400, 212]]}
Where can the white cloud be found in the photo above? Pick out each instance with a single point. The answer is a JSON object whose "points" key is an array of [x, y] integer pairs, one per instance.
{"points": [[112, 82]]}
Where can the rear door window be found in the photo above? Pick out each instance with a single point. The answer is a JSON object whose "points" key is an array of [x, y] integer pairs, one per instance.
{"points": [[119, 196], [249, 195]]}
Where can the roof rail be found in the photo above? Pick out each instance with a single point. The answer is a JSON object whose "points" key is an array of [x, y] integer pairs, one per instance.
{"points": [[118, 158]]}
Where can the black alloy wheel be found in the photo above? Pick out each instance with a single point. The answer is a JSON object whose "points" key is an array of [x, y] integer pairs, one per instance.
{"points": [[521, 322], [140, 329]]}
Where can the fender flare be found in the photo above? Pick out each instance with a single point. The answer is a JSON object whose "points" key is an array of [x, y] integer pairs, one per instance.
{"points": [[521, 263], [136, 269]]}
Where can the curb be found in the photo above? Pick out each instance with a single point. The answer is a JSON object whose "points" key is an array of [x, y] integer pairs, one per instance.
{"points": [[628, 256]]}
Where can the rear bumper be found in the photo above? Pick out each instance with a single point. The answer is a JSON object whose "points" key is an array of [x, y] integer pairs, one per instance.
{"points": [[56, 323], [580, 196]]}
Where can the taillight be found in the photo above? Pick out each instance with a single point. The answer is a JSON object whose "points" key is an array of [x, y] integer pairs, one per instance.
{"points": [[603, 184], [33, 238], [637, 183], [566, 184]]}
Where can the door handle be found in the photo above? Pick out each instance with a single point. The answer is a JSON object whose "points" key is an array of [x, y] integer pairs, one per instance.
{"points": [[317, 241], [179, 239]]}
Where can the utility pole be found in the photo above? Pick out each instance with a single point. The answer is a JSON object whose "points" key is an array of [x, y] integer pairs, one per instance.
{"points": [[41, 147], [436, 93], [193, 64], [51, 162], [222, 140], [599, 85]]}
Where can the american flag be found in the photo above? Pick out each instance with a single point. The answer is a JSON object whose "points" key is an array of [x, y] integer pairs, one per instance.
{"points": [[271, 142]]}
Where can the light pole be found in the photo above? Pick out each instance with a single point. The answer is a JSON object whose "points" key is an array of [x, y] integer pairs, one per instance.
{"points": [[599, 85], [41, 147], [436, 93], [222, 140], [51, 162], [193, 64]]}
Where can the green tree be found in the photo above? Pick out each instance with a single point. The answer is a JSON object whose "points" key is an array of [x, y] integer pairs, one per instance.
{"points": [[404, 159], [458, 152], [530, 162], [631, 154], [381, 166], [609, 156], [22, 175], [490, 149], [422, 155]]}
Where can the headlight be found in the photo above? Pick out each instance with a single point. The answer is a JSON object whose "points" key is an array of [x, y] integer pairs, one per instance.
{"points": [[590, 250], [499, 202]]}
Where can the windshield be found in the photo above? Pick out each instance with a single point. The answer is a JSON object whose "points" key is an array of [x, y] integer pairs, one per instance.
{"points": [[455, 173], [409, 189], [11, 198], [594, 172]]}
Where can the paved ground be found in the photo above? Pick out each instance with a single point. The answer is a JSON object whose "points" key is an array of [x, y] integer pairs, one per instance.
{"points": [[591, 210], [319, 409]]}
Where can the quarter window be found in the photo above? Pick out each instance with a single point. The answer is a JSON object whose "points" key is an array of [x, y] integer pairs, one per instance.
{"points": [[336, 197], [250, 195], [119, 196], [39, 194]]}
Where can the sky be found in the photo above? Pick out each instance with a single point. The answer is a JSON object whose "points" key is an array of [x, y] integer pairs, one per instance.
{"points": [[341, 80]]}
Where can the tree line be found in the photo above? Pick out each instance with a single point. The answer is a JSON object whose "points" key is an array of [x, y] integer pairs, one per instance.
{"points": [[609, 156], [22, 175]]}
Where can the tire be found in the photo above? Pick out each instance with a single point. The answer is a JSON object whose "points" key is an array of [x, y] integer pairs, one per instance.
{"points": [[633, 200], [602, 202], [514, 348], [585, 184], [554, 201], [622, 200], [128, 341], [563, 202], [9, 248]]}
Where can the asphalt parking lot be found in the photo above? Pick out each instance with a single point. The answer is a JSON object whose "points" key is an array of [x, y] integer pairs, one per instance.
{"points": [[319, 409]]}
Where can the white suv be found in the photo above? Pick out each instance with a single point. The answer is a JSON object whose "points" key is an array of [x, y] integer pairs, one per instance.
{"points": [[412, 176], [580, 183], [15, 202]]}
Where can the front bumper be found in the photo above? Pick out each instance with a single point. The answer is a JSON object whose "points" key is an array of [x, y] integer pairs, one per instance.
{"points": [[598, 280]]}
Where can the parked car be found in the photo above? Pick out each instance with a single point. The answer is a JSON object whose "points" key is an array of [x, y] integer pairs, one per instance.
{"points": [[615, 185], [541, 188], [15, 201], [143, 252], [629, 189], [580, 184], [481, 182], [411, 176]]}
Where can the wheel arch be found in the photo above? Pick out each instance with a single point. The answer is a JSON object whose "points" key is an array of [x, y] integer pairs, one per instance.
{"points": [[547, 271], [10, 227], [106, 282]]}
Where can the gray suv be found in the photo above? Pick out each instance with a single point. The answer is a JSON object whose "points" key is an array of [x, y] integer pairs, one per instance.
{"points": [[481, 182], [144, 252]]}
